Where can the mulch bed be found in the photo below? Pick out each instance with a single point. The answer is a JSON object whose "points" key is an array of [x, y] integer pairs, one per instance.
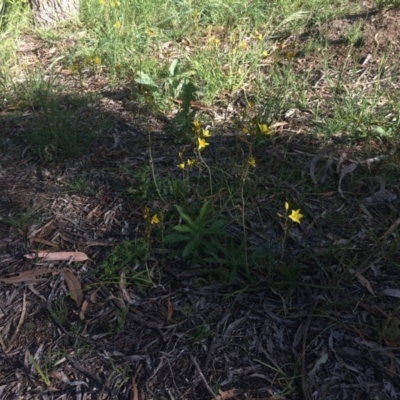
{"points": [[335, 334]]}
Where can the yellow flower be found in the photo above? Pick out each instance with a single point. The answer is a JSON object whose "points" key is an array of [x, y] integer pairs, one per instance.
{"points": [[75, 67], [264, 53], [195, 15], [145, 212], [190, 163], [264, 129], [118, 25], [181, 165], [149, 32], [286, 206], [206, 133], [258, 35], [243, 45], [196, 126], [201, 143], [96, 60], [289, 55], [101, 2], [155, 219], [295, 216], [213, 41], [252, 162]]}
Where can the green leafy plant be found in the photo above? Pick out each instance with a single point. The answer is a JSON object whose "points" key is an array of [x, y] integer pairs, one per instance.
{"points": [[181, 125], [178, 86], [196, 230], [176, 81]]}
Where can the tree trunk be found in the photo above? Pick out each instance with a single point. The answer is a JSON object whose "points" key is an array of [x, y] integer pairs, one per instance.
{"points": [[47, 13]]}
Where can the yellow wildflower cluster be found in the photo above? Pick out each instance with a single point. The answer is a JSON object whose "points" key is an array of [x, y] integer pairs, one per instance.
{"points": [[91, 60], [80, 63], [146, 215], [184, 164], [252, 162], [263, 129], [200, 135], [213, 41], [257, 35]]}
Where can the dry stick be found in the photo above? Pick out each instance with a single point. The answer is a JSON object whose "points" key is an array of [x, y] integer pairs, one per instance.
{"points": [[203, 377], [21, 321], [246, 260], [151, 160], [210, 352], [209, 178], [84, 371]]}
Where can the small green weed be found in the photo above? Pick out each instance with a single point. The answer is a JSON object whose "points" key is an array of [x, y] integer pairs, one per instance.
{"points": [[79, 185], [60, 310], [195, 231], [42, 371], [126, 257], [199, 334], [22, 220]]}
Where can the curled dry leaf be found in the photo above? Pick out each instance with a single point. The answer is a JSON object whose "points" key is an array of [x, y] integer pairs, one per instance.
{"points": [[391, 292], [346, 170], [313, 163], [363, 280], [170, 311], [227, 394], [83, 309], [72, 256], [74, 286]]}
